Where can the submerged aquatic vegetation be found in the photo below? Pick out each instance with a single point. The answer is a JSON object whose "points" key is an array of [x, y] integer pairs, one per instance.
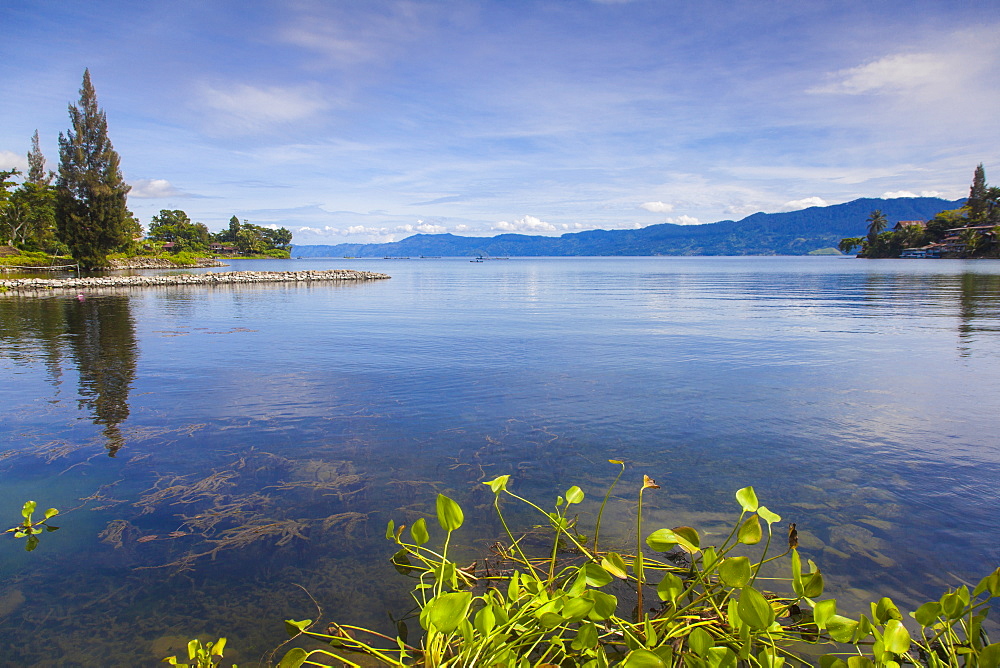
{"points": [[715, 605]]}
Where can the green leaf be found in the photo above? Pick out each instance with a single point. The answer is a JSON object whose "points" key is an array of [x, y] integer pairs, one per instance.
{"points": [[700, 641], [498, 484], [595, 575], [419, 532], [747, 499], [28, 509], [721, 657], [896, 637], [294, 628], [586, 637], [750, 531], [31, 543], [824, 612], [219, 646], [951, 605], [578, 608], [735, 572], [670, 587], [574, 495], [860, 662], [294, 658], [614, 564], [768, 516], [51, 512], [604, 605], [812, 586], [486, 620], [797, 573], [989, 656], [390, 530], [664, 540], [928, 613], [754, 609], [885, 610], [449, 513], [643, 658], [831, 661], [193, 647], [447, 611], [989, 583]]}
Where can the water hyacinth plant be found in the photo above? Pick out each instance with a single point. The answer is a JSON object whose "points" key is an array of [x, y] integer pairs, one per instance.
{"points": [[30, 529], [712, 609]]}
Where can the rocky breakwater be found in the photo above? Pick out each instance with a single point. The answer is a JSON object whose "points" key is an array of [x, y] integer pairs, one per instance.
{"points": [[140, 262], [37, 286]]}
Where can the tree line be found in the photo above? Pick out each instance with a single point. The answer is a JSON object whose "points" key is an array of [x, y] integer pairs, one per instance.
{"points": [[82, 211], [175, 227], [972, 230]]}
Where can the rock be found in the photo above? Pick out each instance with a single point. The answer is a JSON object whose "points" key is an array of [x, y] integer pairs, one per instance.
{"points": [[37, 286]]}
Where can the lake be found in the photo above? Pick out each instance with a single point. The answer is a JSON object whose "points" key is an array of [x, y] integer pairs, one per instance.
{"points": [[217, 452]]}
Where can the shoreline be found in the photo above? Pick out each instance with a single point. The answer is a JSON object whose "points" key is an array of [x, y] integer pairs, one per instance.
{"points": [[36, 286]]}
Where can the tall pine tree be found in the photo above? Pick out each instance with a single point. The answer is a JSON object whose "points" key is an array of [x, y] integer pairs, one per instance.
{"points": [[977, 202], [36, 164], [91, 212]]}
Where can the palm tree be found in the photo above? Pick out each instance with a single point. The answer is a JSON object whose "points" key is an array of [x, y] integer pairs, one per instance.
{"points": [[877, 222]]}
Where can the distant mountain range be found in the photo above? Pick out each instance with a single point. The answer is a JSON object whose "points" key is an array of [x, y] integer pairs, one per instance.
{"points": [[792, 233]]}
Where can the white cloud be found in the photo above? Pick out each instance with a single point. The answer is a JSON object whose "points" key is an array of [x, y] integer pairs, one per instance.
{"points": [[154, 189], [657, 207], [462, 228], [574, 226], [429, 228], [526, 224], [684, 220], [895, 72], [804, 203], [11, 160], [741, 210], [893, 194], [244, 109]]}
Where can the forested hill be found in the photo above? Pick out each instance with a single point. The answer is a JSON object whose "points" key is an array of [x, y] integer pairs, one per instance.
{"points": [[791, 233]]}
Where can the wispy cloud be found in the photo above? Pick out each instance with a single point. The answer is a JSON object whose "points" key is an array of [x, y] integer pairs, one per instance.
{"points": [[894, 72], [245, 109], [684, 220]]}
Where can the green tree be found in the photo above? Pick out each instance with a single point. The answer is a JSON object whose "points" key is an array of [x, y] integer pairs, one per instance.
{"points": [[36, 165], [92, 216], [279, 238], [847, 245], [249, 242], [175, 226], [977, 202], [877, 222], [938, 226]]}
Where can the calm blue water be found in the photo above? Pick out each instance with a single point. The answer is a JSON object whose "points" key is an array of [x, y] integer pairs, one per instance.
{"points": [[263, 435]]}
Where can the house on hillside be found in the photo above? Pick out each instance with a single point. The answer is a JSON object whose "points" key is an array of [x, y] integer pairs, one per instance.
{"points": [[903, 224]]}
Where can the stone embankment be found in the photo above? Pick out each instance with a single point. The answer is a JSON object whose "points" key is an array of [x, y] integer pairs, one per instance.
{"points": [[48, 285]]}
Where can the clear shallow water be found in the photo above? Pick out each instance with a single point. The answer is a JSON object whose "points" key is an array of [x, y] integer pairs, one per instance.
{"points": [[263, 435]]}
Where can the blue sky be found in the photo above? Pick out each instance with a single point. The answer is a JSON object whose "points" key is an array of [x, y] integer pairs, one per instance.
{"points": [[371, 120]]}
